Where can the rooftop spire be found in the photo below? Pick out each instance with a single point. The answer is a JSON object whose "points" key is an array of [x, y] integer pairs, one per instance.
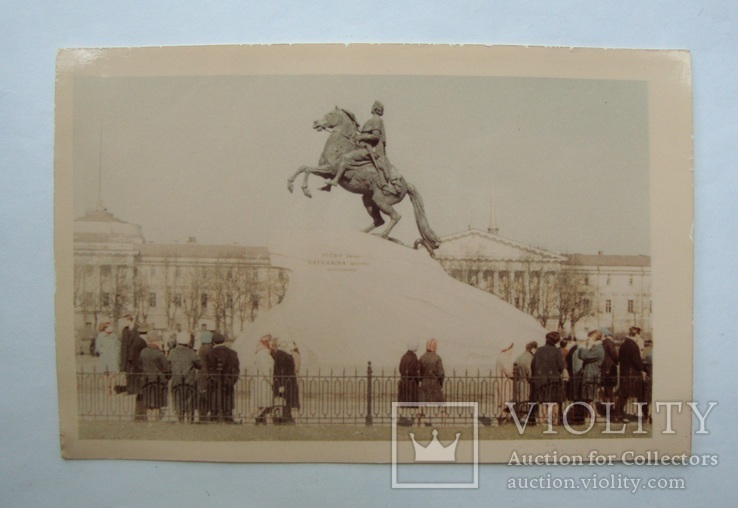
{"points": [[492, 229], [99, 204]]}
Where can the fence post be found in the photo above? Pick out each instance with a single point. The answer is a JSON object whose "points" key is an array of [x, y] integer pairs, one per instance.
{"points": [[369, 394]]}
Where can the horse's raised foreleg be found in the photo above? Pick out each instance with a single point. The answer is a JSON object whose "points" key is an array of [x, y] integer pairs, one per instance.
{"points": [[381, 202], [306, 171], [291, 180]]}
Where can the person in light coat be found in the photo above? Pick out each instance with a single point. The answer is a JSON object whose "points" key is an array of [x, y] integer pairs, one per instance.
{"points": [[107, 346], [263, 394]]}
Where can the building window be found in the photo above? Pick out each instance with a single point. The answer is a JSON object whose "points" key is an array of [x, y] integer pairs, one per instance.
{"points": [[630, 280], [105, 270], [586, 280], [585, 305], [178, 300], [630, 306], [650, 307], [152, 271], [105, 299], [204, 300], [152, 299], [608, 280], [608, 306], [178, 272]]}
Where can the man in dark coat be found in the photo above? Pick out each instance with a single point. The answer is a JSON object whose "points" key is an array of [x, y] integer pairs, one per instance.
{"points": [[203, 401], [127, 338], [132, 344], [575, 413], [285, 382], [407, 389], [156, 373], [223, 371], [631, 375], [609, 368], [546, 367]]}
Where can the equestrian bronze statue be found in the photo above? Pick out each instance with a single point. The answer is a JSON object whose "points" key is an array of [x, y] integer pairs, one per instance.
{"points": [[355, 159]]}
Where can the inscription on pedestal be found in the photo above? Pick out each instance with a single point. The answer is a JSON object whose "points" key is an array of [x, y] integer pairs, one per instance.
{"points": [[338, 262]]}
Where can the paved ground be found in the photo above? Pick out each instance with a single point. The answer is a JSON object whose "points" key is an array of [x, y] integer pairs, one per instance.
{"points": [[236, 432]]}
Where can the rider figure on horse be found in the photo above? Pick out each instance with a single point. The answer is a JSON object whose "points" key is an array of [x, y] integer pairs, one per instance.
{"points": [[371, 141]]}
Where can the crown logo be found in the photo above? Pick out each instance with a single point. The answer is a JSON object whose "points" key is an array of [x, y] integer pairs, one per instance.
{"points": [[435, 451]]}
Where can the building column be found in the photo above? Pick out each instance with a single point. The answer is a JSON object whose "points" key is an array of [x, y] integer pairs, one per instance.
{"points": [[526, 288]]}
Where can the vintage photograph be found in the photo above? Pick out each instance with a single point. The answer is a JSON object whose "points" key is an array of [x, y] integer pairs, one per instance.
{"points": [[279, 251]]}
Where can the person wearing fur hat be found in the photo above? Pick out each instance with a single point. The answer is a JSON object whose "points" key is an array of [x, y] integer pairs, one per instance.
{"points": [[407, 389], [223, 372], [185, 364]]}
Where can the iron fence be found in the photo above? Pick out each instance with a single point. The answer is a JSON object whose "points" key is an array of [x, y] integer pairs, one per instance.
{"points": [[332, 397]]}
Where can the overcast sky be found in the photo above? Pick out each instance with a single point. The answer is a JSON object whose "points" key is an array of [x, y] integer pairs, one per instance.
{"points": [[566, 161]]}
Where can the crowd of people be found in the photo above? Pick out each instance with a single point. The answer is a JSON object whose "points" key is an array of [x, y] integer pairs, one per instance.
{"points": [[199, 371], [591, 371], [562, 378]]}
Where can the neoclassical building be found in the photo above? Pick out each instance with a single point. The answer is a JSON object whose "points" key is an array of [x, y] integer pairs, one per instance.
{"points": [[592, 290], [169, 286]]}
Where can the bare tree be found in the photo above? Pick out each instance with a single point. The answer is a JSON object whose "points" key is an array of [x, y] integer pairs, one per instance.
{"points": [[549, 299], [574, 297], [247, 298], [225, 292], [193, 303], [87, 294], [141, 289], [171, 281], [121, 292]]}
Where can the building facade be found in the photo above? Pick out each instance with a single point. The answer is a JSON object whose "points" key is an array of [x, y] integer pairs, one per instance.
{"points": [[169, 286], [567, 292]]}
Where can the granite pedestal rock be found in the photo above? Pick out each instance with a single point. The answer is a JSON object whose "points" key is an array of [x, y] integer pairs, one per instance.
{"points": [[354, 297]]}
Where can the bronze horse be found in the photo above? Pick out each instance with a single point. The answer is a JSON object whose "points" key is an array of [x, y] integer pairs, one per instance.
{"points": [[364, 180]]}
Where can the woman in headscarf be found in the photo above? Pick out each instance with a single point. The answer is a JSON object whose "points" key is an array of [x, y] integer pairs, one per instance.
{"points": [[407, 390], [431, 375]]}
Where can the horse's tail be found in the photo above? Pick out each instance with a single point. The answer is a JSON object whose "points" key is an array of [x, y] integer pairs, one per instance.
{"points": [[429, 238]]}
